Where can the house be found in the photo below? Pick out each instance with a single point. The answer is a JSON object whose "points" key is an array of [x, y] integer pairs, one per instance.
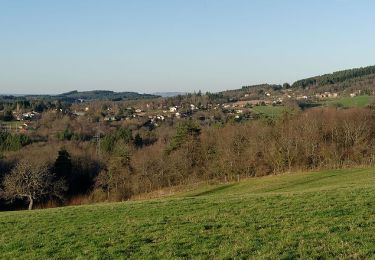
{"points": [[334, 95], [110, 118], [326, 95], [23, 127], [160, 117], [301, 97], [278, 101], [79, 113], [30, 115]]}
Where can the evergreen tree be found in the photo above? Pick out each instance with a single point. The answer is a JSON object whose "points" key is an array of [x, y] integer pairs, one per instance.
{"points": [[138, 141], [63, 167]]}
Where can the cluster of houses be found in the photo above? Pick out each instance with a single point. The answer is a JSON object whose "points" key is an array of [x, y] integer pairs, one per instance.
{"points": [[173, 111], [326, 95], [155, 114], [236, 108], [28, 116]]}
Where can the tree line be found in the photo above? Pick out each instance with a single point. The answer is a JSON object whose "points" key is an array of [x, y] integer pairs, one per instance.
{"points": [[128, 163], [336, 77]]}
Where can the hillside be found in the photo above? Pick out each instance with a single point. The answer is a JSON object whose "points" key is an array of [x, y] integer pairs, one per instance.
{"points": [[327, 214], [73, 96], [336, 77], [104, 95], [345, 83]]}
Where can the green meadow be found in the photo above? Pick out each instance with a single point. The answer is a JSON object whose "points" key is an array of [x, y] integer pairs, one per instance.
{"points": [[328, 214], [347, 102], [12, 125], [269, 110]]}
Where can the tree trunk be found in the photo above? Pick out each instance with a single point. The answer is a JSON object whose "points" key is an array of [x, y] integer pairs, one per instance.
{"points": [[31, 202]]}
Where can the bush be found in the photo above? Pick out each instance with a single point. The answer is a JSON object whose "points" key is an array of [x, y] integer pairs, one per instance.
{"points": [[13, 142]]}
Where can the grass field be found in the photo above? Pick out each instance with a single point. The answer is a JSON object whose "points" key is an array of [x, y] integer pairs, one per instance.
{"points": [[269, 111], [328, 214], [12, 125], [358, 101]]}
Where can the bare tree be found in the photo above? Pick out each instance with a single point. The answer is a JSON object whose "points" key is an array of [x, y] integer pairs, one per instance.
{"points": [[32, 181]]}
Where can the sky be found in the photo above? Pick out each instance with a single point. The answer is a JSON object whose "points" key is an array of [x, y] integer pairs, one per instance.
{"points": [[51, 46]]}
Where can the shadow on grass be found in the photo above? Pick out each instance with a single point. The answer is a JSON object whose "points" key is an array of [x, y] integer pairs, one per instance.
{"points": [[301, 183], [214, 190]]}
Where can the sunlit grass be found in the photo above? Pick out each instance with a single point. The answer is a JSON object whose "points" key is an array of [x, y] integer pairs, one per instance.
{"points": [[328, 214], [347, 102], [269, 111]]}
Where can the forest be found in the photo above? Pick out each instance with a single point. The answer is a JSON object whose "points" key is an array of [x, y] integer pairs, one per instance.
{"points": [[336, 77]]}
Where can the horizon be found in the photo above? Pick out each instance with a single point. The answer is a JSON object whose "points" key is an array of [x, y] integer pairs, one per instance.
{"points": [[172, 46], [166, 92], [54, 94]]}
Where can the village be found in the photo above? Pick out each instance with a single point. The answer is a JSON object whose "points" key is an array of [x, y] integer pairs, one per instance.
{"points": [[237, 105]]}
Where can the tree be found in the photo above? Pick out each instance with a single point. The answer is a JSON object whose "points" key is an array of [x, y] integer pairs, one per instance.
{"points": [[185, 131], [13, 142], [117, 179], [7, 115], [122, 134], [63, 164], [32, 181], [63, 167], [138, 141], [40, 107]]}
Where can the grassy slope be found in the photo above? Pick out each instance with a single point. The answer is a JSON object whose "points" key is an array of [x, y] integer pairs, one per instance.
{"points": [[12, 124], [269, 111], [327, 214], [359, 101]]}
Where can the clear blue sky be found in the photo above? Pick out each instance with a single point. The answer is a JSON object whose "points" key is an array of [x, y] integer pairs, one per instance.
{"points": [[173, 45]]}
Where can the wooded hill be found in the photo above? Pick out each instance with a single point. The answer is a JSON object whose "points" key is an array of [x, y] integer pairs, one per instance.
{"points": [[94, 95], [335, 77], [104, 95], [357, 80]]}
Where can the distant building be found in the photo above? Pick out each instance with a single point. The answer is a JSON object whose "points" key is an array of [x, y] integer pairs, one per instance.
{"points": [[79, 113], [110, 118]]}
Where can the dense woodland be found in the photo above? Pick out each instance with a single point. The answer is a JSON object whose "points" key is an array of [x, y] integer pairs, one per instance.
{"points": [[336, 77], [113, 153]]}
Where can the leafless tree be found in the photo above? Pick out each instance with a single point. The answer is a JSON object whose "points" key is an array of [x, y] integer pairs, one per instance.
{"points": [[32, 181]]}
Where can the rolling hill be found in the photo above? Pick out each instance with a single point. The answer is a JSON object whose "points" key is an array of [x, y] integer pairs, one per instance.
{"points": [[328, 214], [336, 77], [75, 95], [104, 95]]}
